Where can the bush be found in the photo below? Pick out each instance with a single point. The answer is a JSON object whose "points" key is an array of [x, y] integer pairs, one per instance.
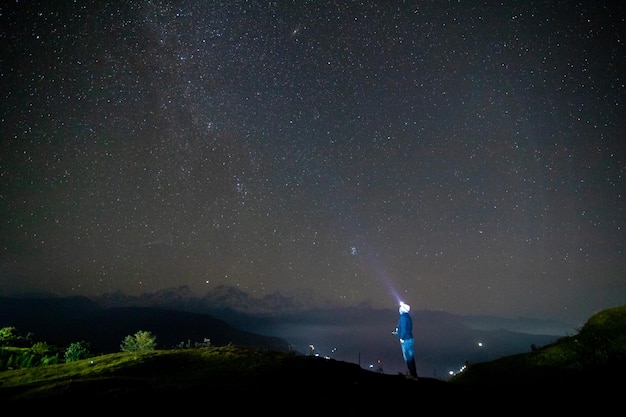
{"points": [[77, 351], [16, 357], [40, 348], [140, 341], [50, 360], [7, 335]]}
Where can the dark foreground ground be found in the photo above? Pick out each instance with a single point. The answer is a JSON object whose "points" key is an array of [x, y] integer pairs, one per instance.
{"points": [[233, 381]]}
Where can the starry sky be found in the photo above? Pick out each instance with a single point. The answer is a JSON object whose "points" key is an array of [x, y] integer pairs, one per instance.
{"points": [[464, 156]]}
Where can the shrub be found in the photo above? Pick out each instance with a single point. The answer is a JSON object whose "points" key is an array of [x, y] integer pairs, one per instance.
{"points": [[7, 335], [50, 360], [140, 341], [40, 348], [77, 351]]}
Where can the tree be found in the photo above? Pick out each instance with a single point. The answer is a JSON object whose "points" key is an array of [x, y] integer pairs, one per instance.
{"points": [[140, 341], [77, 351]]}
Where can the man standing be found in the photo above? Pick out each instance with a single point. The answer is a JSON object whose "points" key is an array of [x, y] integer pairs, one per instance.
{"points": [[405, 334]]}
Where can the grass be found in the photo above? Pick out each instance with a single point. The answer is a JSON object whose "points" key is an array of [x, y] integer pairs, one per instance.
{"points": [[137, 369], [201, 376]]}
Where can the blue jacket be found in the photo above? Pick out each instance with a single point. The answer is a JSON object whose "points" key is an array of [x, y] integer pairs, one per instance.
{"points": [[405, 327]]}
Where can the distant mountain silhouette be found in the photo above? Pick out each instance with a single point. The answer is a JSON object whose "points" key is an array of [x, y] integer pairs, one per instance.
{"points": [[231, 303], [221, 298]]}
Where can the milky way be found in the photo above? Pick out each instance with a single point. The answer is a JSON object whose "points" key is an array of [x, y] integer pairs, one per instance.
{"points": [[463, 156]]}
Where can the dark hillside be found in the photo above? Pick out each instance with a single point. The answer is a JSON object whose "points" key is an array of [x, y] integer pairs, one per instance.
{"points": [[588, 363], [236, 377], [242, 380]]}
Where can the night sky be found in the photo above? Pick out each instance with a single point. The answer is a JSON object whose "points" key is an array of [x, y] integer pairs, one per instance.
{"points": [[464, 156]]}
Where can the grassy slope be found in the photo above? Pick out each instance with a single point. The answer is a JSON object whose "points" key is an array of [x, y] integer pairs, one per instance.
{"points": [[597, 352], [202, 376]]}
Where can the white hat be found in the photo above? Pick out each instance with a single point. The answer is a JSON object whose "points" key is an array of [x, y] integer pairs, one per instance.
{"points": [[404, 308]]}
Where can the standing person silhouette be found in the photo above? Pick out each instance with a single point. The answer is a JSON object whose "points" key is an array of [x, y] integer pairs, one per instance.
{"points": [[404, 332]]}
